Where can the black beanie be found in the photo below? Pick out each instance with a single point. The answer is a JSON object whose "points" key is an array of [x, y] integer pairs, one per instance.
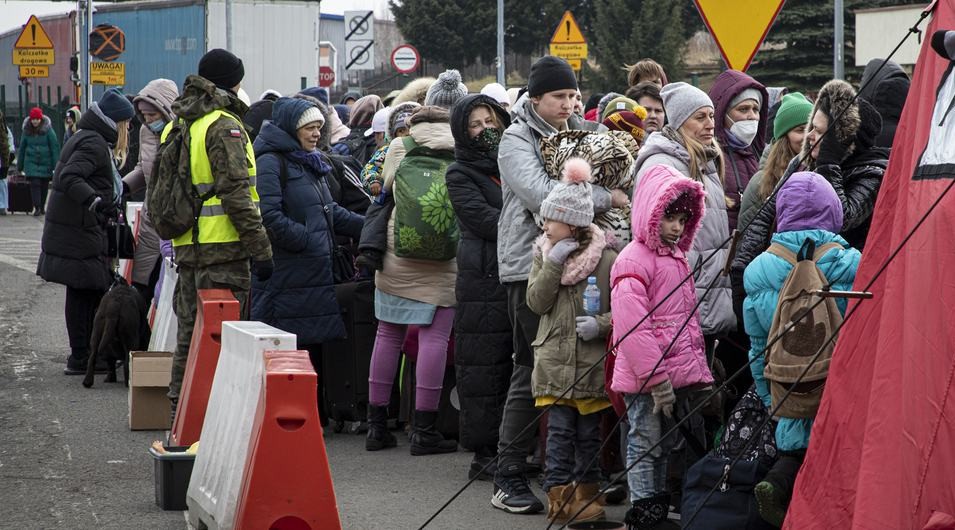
{"points": [[550, 73], [222, 68]]}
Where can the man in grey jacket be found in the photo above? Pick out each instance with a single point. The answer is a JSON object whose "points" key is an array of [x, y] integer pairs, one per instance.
{"points": [[546, 108]]}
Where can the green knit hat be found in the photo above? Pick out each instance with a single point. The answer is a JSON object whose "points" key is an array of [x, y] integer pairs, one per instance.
{"points": [[793, 112], [618, 104]]}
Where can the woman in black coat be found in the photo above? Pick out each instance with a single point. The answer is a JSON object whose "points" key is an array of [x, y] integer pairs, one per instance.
{"points": [[482, 330], [847, 157], [299, 216], [86, 193]]}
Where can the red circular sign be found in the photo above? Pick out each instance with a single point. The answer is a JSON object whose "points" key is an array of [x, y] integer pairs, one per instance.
{"points": [[326, 76], [405, 59]]}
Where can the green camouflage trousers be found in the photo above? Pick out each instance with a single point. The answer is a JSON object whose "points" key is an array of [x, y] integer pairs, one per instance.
{"points": [[233, 275]]}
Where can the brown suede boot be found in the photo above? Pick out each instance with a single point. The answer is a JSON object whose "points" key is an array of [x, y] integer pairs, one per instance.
{"points": [[590, 490], [558, 501], [594, 510]]}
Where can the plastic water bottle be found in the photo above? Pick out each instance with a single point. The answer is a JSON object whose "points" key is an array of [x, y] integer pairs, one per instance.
{"points": [[592, 297]]}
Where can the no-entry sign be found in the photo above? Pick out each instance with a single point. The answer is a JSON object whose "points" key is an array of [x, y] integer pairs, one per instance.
{"points": [[405, 58], [326, 76]]}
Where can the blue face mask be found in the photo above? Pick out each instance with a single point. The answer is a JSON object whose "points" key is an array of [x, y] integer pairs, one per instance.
{"points": [[157, 126]]}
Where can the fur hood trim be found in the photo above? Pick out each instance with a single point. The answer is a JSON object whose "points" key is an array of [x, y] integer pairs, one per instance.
{"points": [[659, 187], [835, 96], [415, 90], [44, 126], [580, 265]]}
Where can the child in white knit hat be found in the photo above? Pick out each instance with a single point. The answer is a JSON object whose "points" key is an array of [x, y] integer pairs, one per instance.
{"points": [[571, 255]]}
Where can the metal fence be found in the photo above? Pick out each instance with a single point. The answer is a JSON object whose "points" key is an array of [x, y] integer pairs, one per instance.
{"points": [[15, 104]]}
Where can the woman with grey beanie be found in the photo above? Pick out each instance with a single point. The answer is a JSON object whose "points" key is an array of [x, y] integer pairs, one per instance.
{"points": [[688, 144]]}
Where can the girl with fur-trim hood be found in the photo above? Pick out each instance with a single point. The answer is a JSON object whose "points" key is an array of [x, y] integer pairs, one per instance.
{"points": [[668, 212], [569, 341]]}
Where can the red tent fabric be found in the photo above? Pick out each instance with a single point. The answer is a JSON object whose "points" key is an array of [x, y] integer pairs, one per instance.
{"points": [[882, 451]]}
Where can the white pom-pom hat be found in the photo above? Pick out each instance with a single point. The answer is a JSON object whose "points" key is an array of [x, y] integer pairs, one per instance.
{"points": [[571, 201]]}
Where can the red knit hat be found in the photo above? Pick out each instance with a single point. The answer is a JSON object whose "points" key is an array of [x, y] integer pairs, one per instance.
{"points": [[628, 122], [36, 113]]}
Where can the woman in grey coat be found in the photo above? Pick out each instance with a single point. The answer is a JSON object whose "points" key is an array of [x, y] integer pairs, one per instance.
{"points": [[154, 106], [687, 144]]}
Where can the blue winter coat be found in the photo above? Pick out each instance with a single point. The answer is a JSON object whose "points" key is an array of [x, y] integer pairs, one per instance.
{"points": [[300, 295], [763, 279]]}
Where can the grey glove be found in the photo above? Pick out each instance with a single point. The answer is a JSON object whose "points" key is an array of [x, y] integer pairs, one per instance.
{"points": [[587, 328], [663, 398], [559, 252]]}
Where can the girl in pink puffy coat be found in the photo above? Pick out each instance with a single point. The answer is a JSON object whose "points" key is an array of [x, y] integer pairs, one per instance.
{"points": [[667, 211]]}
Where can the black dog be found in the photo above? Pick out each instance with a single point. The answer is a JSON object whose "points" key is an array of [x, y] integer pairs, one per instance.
{"points": [[120, 326]]}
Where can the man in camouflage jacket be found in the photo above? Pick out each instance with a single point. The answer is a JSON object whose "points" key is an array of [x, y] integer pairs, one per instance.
{"points": [[219, 265]]}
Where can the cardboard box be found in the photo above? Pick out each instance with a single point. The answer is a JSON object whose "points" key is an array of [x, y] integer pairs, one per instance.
{"points": [[149, 374]]}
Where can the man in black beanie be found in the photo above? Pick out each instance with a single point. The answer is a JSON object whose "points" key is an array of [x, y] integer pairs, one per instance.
{"points": [[229, 231], [224, 69], [546, 108]]}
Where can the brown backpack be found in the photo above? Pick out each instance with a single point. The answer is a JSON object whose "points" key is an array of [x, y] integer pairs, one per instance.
{"points": [[788, 357]]}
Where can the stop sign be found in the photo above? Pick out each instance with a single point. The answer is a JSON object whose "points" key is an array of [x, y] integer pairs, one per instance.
{"points": [[326, 76]]}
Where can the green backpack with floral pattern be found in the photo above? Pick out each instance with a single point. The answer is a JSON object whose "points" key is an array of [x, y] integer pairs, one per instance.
{"points": [[425, 225]]}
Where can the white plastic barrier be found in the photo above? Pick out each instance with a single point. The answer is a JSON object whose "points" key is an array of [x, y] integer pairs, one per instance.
{"points": [[133, 210], [165, 323], [217, 476]]}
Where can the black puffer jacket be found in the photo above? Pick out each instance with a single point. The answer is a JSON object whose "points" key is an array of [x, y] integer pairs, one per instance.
{"points": [[74, 241], [856, 179], [482, 330]]}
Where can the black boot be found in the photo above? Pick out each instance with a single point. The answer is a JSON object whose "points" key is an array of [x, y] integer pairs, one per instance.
{"points": [[425, 439], [378, 435], [484, 464], [650, 514]]}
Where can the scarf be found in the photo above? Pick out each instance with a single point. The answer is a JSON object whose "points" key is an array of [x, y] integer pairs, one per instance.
{"points": [[313, 160]]}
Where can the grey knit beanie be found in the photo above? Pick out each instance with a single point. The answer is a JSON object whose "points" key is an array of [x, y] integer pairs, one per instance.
{"points": [[749, 93], [681, 100], [447, 90], [571, 201]]}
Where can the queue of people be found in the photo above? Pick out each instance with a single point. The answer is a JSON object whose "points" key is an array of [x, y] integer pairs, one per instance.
{"points": [[503, 252]]}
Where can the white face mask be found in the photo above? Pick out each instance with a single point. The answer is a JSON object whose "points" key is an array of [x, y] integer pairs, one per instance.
{"points": [[745, 130]]}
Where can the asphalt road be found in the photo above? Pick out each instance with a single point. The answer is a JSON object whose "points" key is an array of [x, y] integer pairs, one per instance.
{"points": [[68, 459]]}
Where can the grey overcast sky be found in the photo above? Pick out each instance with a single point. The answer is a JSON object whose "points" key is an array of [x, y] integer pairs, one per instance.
{"points": [[14, 13]]}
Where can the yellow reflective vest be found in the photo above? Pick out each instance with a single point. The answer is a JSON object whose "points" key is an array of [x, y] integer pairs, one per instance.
{"points": [[214, 225]]}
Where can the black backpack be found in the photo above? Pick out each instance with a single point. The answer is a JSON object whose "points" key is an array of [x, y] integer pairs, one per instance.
{"points": [[174, 202]]}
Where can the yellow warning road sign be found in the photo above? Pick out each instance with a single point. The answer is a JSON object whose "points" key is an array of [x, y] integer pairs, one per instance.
{"points": [[568, 41], [33, 46], [739, 37], [568, 32], [108, 73], [34, 71], [33, 35]]}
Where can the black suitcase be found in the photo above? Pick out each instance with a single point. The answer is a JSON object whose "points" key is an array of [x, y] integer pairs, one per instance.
{"points": [[345, 361], [18, 196]]}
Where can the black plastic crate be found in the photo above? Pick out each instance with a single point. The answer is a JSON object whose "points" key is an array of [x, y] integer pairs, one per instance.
{"points": [[172, 471]]}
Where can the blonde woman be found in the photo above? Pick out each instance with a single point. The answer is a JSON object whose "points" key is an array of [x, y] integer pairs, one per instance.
{"points": [[86, 194]]}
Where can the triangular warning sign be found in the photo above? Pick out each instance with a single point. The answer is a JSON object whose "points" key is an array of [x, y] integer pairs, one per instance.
{"points": [[33, 35], [568, 32], [737, 36]]}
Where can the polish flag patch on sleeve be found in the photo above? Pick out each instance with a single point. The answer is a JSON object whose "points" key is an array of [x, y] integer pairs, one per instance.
{"points": [[235, 133]]}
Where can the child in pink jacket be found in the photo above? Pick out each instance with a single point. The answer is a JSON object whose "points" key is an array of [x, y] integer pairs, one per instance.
{"points": [[667, 211]]}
